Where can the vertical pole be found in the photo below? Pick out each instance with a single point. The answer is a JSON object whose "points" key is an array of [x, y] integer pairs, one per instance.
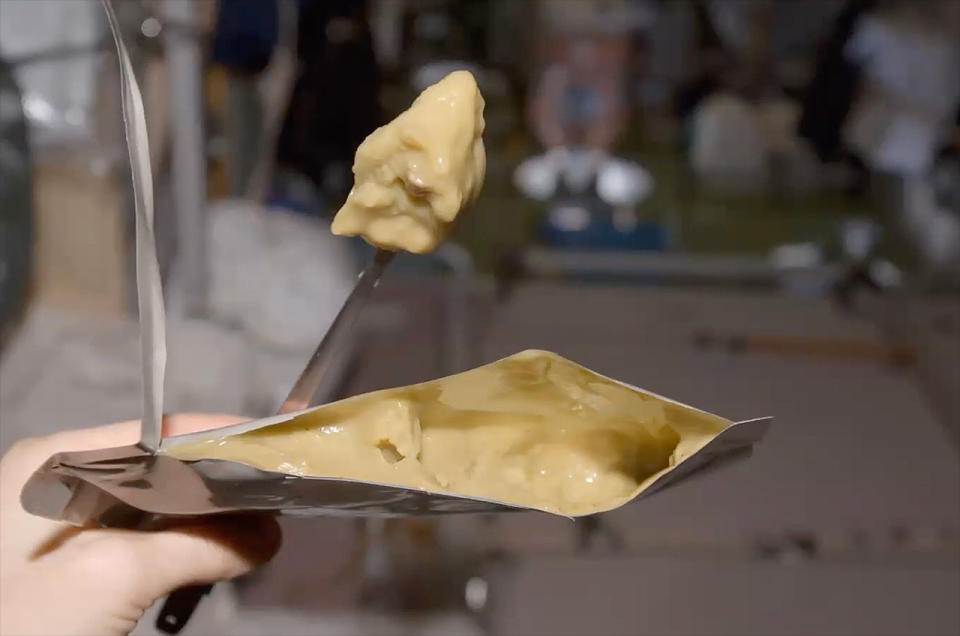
{"points": [[188, 151]]}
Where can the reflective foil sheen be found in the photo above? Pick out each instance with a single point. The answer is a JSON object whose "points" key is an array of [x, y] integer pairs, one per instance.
{"points": [[129, 487]]}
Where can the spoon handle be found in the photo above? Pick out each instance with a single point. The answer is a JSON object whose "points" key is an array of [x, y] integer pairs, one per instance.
{"points": [[336, 337]]}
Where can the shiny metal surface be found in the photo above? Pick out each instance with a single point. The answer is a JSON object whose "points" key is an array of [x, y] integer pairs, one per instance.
{"points": [[307, 385], [153, 346]]}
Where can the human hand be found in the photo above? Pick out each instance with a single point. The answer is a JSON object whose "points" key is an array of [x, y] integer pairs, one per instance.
{"points": [[57, 579]]}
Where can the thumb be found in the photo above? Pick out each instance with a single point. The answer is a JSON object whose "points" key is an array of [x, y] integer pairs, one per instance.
{"points": [[216, 550]]}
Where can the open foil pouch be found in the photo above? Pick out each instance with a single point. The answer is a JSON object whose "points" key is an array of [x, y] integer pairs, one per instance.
{"points": [[532, 431]]}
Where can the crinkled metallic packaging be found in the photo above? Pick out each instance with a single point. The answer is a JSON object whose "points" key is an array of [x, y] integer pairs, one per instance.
{"points": [[131, 487]]}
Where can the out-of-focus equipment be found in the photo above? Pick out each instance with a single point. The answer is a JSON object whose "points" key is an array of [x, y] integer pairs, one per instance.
{"points": [[945, 179], [832, 89], [253, 43], [911, 86], [323, 126], [16, 208], [749, 146], [592, 199], [57, 51], [246, 34], [820, 348]]}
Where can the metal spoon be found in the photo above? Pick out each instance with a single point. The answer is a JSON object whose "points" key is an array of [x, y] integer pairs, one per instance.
{"points": [[307, 385], [179, 606]]}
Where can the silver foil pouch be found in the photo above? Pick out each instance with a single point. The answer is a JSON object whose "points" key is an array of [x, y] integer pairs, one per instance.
{"points": [[533, 431]]}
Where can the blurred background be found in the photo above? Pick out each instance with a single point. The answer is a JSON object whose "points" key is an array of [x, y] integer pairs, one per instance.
{"points": [[750, 206]]}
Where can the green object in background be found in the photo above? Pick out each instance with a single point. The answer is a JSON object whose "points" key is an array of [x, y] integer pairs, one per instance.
{"points": [[16, 214], [725, 223]]}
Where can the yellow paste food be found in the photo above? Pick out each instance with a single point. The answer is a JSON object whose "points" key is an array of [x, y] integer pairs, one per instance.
{"points": [[533, 430], [413, 176]]}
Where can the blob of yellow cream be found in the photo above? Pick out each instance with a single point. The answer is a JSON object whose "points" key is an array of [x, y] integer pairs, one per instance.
{"points": [[532, 430], [414, 175]]}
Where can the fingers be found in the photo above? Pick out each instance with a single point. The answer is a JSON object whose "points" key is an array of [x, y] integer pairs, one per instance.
{"points": [[102, 581], [22, 534], [148, 565], [124, 433], [217, 551], [27, 455]]}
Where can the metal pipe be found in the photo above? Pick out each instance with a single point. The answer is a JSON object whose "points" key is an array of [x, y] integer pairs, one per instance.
{"points": [[188, 153]]}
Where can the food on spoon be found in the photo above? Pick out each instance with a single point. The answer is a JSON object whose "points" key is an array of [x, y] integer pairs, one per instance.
{"points": [[414, 175]]}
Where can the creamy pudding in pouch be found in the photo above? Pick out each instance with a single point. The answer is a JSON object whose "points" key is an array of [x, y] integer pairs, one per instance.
{"points": [[533, 431]]}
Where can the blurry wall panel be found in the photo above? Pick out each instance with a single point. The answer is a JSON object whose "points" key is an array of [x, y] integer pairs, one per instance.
{"points": [[79, 251]]}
